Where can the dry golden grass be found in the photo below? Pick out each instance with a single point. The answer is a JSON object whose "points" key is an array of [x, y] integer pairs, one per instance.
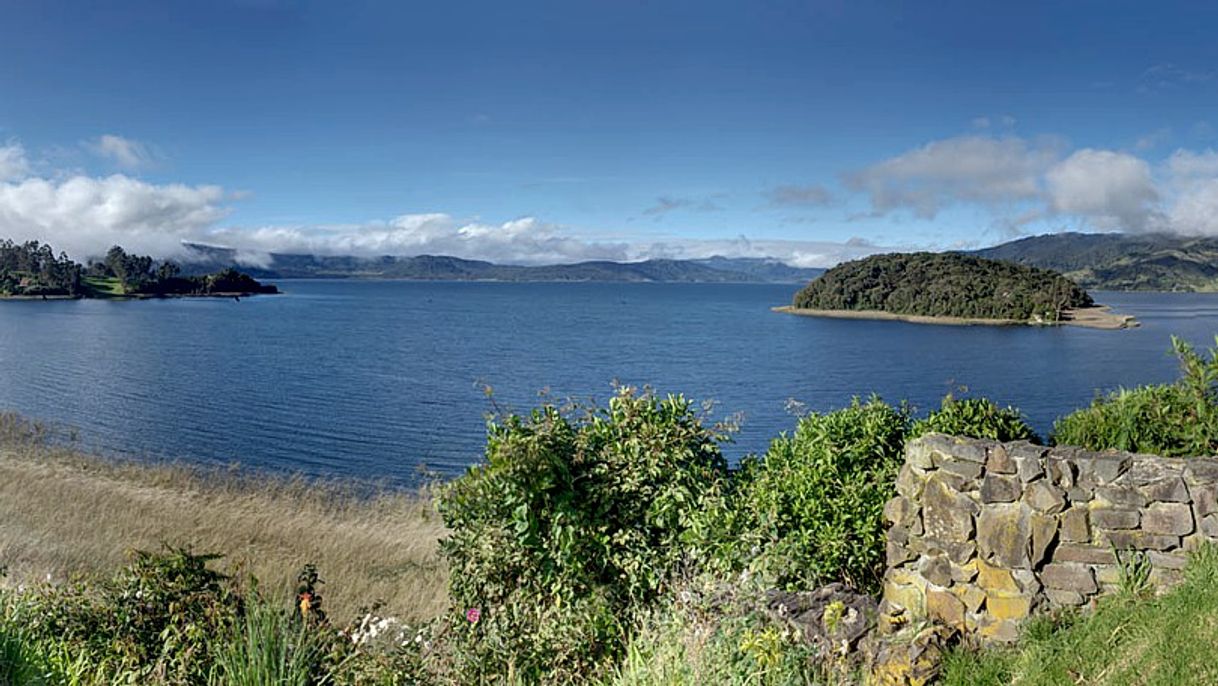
{"points": [[65, 513]]}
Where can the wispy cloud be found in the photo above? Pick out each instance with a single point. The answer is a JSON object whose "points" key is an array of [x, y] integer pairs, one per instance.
{"points": [[13, 162], [1167, 76], [667, 203], [799, 196], [123, 152]]}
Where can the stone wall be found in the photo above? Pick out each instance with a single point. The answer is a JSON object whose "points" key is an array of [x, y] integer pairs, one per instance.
{"points": [[983, 533]]}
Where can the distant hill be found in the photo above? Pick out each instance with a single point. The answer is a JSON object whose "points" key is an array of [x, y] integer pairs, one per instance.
{"points": [[943, 285], [1119, 262], [203, 259]]}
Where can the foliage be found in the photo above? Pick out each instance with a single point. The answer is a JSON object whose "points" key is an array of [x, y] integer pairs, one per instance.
{"points": [[575, 521], [685, 644], [943, 285], [810, 510], [32, 268], [977, 418], [1128, 639], [1178, 419], [271, 646]]}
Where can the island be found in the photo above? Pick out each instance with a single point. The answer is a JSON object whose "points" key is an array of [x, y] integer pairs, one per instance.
{"points": [[951, 288], [33, 271]]}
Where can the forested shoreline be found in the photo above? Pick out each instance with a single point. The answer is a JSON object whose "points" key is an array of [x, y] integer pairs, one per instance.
{"points": [[33, 269]]}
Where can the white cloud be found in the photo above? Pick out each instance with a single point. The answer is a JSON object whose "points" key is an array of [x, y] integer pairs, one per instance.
{"points": [[1113, 190], [13, 163], [972, 168], [1186, 164], [85, 215], [124, 152]]}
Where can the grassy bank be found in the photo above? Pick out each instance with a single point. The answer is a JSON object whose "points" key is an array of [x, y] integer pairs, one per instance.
{"points": [[66, 513]]}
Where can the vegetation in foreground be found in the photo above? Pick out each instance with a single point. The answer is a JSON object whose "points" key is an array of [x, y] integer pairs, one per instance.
{"points": [[32, 269], [944, 285], [605, 545], [1130, 638]]}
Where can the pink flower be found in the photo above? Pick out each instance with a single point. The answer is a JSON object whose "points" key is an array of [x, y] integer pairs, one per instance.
{"points": [[473, 615]]}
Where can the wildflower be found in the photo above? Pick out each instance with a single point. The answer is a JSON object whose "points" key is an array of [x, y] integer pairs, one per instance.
{"points": [[473, 615], [306, 603]]}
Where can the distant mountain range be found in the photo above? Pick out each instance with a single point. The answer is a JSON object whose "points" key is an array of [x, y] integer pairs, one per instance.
{"points": [[1119, 262], [204, 259]]}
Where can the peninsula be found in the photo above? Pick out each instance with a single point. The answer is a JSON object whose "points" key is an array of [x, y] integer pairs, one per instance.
{"points": [[951, 288], [32, 271]]}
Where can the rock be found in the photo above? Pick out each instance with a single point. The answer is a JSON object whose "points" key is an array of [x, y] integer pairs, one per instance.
{"points": [[1170, 490], [999, 461], [1205, 501], [1000, 632], [1024, 450], [1069, 576], [1003, 606], [1029, 468], [995, 579], [1168, 560], [904, 591], [914, 660], [1202, 470], [909, 483], [968, 471], [1061, 598], [1109, 518], [834, 620], [946, 515], [899, 510], [1062, 472], [1084, 553], [1044, 497], [937, 570], [897, 554], [1002, 535], [1109, 467], [1139, 540], [1074, 526], [1209, 525], [1000, 489], [970, 595], [1167, 518], [919, 454], [965, 572], [944, 606], [1121, 496], [1044, 534]]}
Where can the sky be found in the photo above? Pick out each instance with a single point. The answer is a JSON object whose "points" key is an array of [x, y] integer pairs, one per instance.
{"points": [[542, 132]]}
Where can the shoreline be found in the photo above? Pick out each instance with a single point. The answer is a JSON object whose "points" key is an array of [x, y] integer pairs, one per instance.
{"points": [[1096, 317], [133, 296]]}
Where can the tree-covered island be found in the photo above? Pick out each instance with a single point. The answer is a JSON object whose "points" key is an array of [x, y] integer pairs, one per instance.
{"points": [[950, 288], [32, 270]]}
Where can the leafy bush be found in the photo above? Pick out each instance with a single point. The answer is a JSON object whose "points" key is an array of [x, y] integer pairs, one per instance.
{"points": [[271, 646], [575, 520], [810, 510], [1178, 419], [976, 418]]}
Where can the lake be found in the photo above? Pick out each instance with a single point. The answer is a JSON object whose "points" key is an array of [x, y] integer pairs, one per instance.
{"points": [[375, 379]]}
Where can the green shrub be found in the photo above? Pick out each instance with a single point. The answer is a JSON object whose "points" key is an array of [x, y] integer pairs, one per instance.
{"points": [[810, 511], [976, 418], [1178, 419], [574, 521], [270, 645]]}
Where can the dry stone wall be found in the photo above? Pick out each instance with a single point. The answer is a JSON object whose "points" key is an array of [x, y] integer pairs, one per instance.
{"points": [[982, 534]]}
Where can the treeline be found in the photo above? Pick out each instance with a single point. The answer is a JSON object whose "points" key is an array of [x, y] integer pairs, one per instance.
{"points": [[944, 285], [33, 269]]}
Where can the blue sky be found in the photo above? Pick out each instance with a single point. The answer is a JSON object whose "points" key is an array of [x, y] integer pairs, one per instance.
{"points": [[559, 131]]}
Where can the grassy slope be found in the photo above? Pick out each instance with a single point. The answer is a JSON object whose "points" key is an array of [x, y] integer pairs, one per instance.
{"points": [[97, 287], [65, 513], [1167, 641]]}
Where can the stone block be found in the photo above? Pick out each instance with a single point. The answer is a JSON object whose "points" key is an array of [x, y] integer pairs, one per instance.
{"points": [[1068, 552], [964, 573], [1205, 501], [937, 570], [1074, 526], [919, 454], [1175, 519], [1000, 632], [1163, 578], [1139, 540], [1209, 525], [1108, 575], [1024, 450], [1044, 534], [1176, 560], [897, 554], [969, 471], [970, 595], [1004, 606], [1069, 576], [1121, 496], [944, 606], [1111, 518], [1059, 598], [946, 514], [999, 461], [1169, 490], [1027, 580], [1202, 470], [909, 483], [899, 510], [993, 579], [1003, 536], [1029, 469], [1043, 496], [1108, 467], [1000, 489], [1061, 471]]}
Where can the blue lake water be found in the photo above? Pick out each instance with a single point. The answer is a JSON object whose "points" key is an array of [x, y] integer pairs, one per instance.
{"points": [[373, 379]]}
